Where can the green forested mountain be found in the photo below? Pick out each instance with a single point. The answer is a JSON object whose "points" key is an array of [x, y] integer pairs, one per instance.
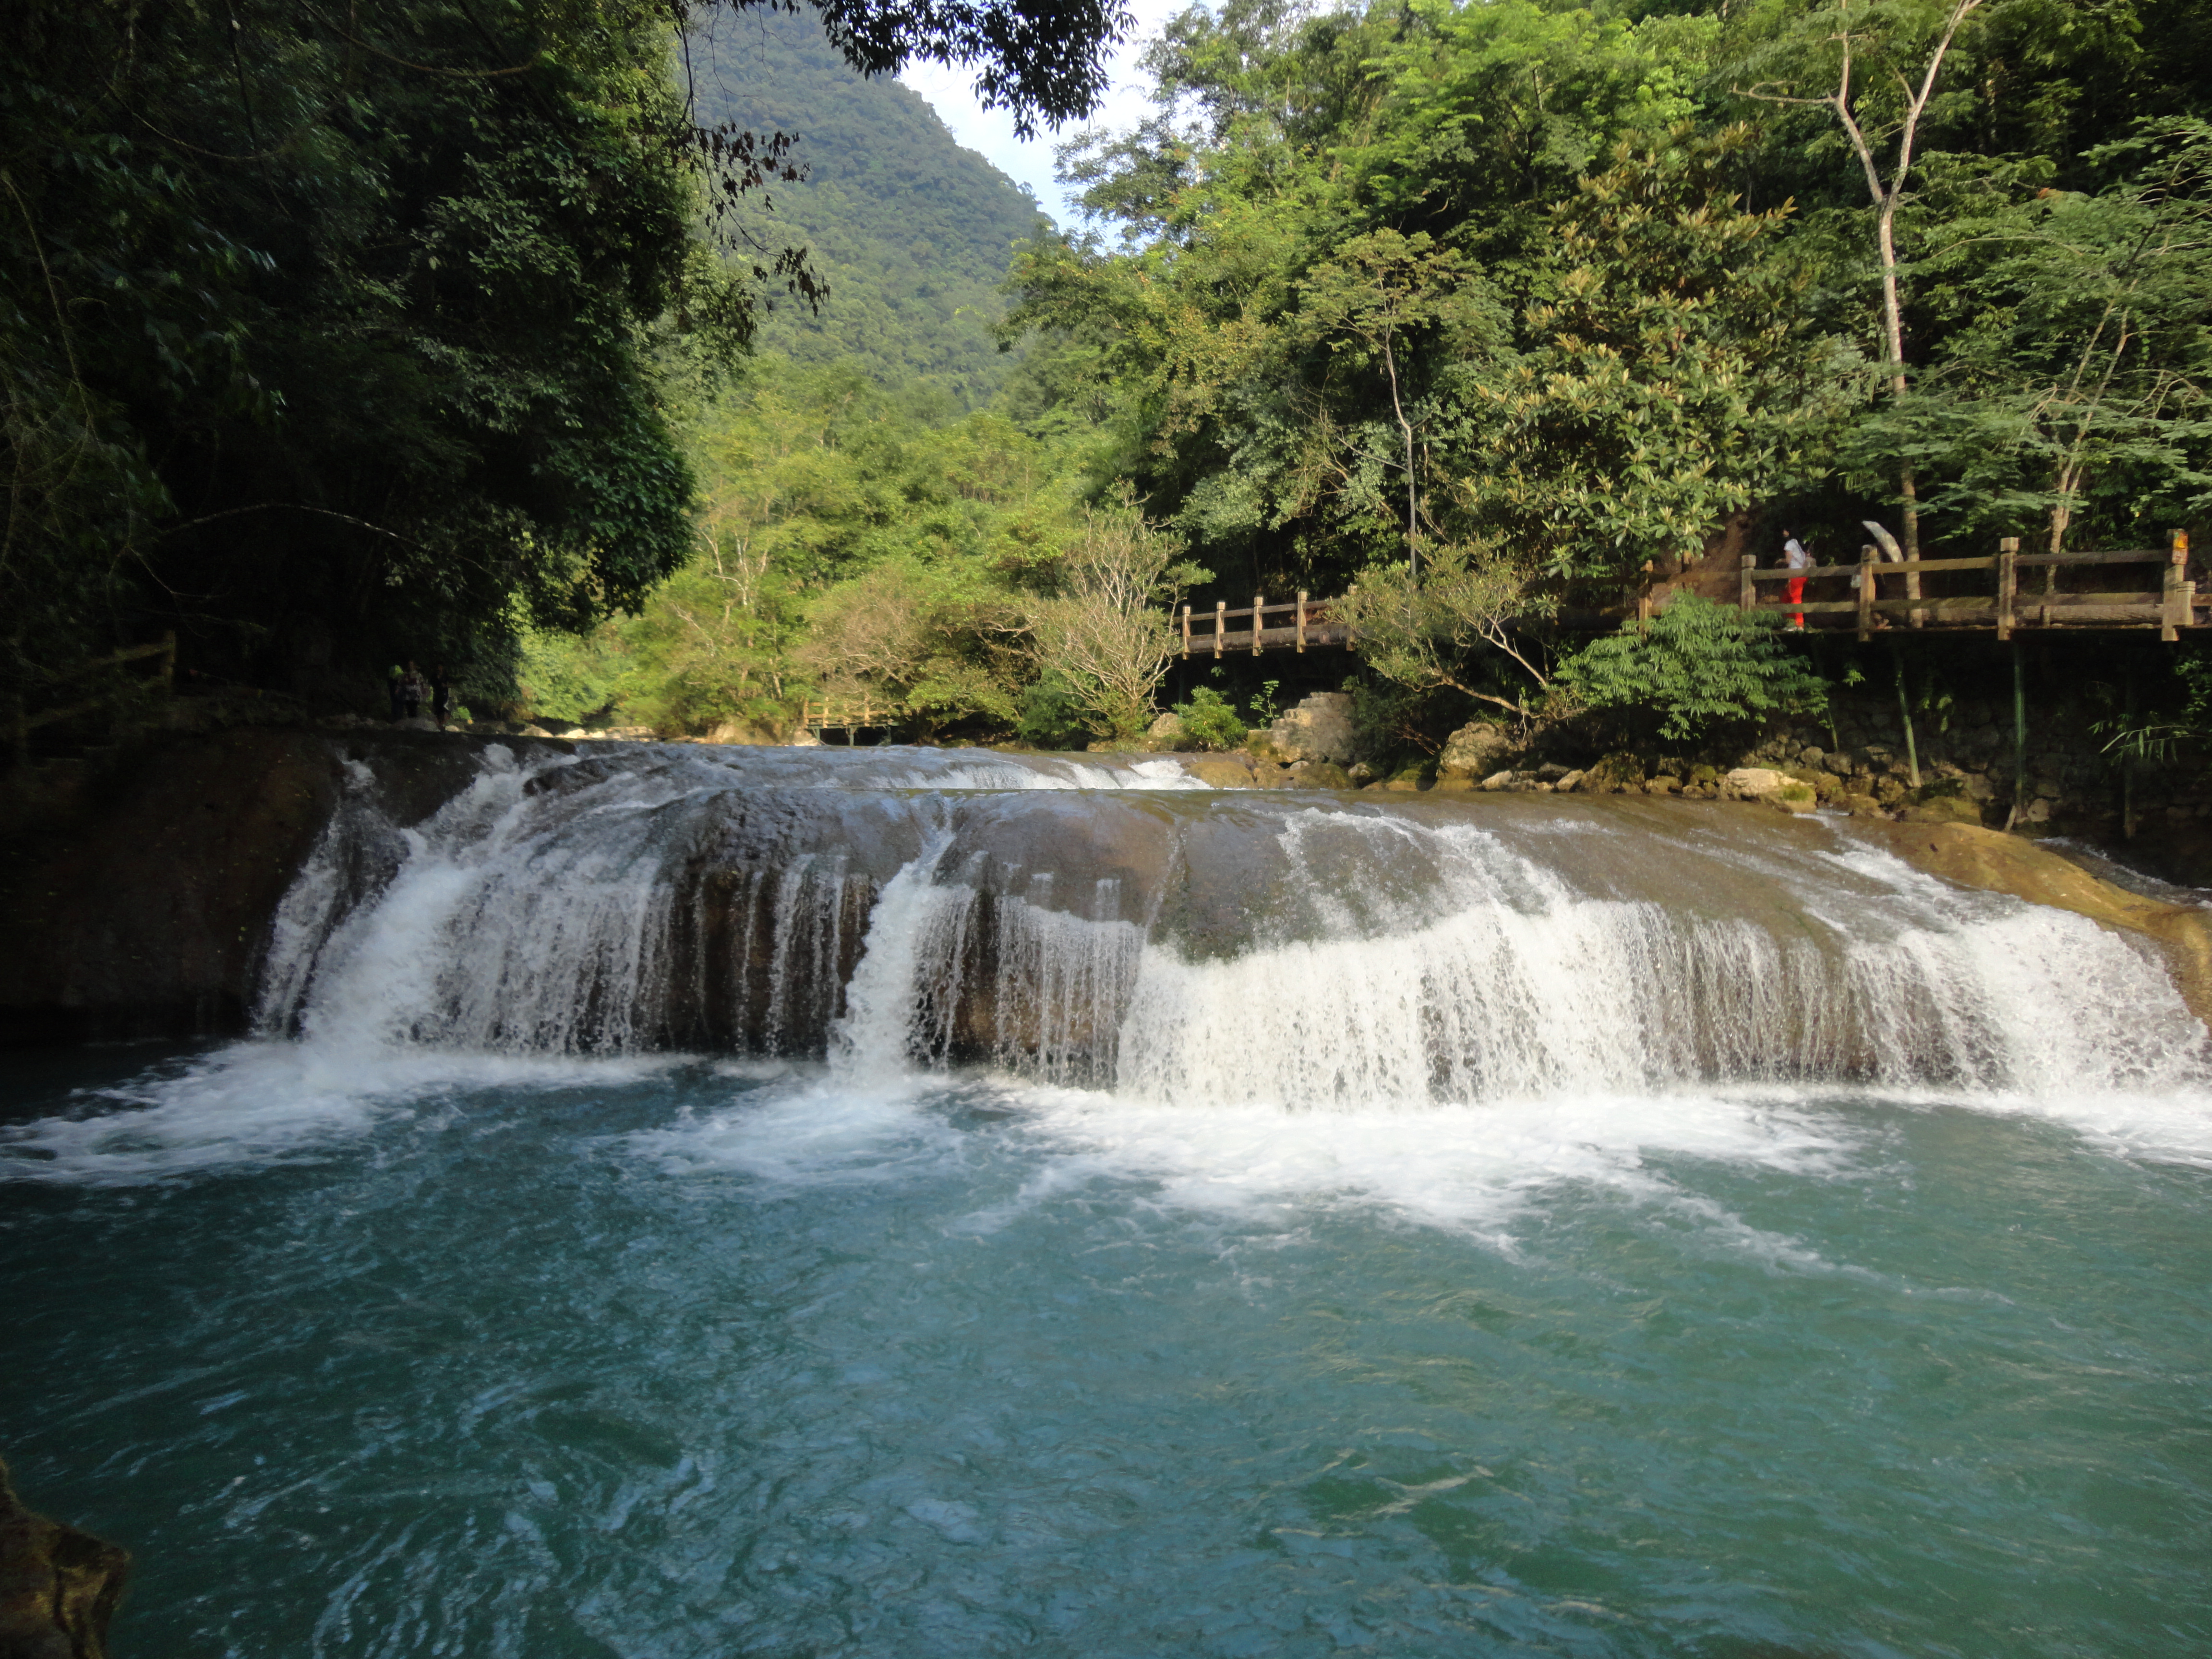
{"points": [[912, 233]]}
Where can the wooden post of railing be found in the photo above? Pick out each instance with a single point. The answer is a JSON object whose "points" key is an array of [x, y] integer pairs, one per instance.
{"points": [[1220, 622], [2007, 583], [1257, 604], [1186, 630], [2175, 615], [1302, 621], [1746, 596], [1644, 599], [1867, 558]]}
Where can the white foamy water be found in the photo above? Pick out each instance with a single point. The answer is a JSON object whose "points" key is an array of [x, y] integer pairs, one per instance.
{"points": [[1272, 993]]}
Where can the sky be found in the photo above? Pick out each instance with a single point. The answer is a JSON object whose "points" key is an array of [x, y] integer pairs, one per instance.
{"points": [[992, 131]]}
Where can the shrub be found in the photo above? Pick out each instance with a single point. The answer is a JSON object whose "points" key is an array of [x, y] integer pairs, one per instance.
{"points": [[1052, 714], [1694, 664], [1209, 720]]}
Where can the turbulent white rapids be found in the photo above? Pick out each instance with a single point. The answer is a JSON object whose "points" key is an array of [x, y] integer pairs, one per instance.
{"points": [[1109, 925]]}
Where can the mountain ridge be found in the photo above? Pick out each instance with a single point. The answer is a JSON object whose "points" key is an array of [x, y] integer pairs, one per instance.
{"points": [[912, 231]]}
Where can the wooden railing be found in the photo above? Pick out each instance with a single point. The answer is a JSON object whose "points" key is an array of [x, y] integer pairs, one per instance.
{"points": [[846, 713], [2170, 607], [23, 722], [1307, 621]]}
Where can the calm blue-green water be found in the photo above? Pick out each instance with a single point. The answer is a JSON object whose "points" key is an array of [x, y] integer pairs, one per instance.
{"points": [[659, 1358]]}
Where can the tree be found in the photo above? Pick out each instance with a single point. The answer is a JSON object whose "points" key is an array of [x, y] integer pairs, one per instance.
{"points": [[333, 335], [1910, 39], [2075, 380], [1381, 289], [1423, 632], [1104, 632], [1669, 376]]}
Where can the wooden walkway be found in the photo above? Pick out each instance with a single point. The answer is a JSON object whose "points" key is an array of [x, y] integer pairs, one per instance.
{"points": [[2010, 606], [1874, 595], [1299, 623]]}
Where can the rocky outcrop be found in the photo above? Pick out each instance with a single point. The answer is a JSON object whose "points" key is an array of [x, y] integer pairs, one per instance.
{"points": [[1476, 751], [58, 1586], [1764, 784], [138, 906], [1319, 729]]}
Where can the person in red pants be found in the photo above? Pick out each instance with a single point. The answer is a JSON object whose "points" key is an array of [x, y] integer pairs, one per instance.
{"points": [[1794, 556]]}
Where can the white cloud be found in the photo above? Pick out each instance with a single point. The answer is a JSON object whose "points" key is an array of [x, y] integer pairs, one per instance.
{"points": [[992, 131]]}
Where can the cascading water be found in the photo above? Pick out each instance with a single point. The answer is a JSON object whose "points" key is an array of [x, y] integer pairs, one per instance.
{"points": [[695, 1202], [1194, 949]]}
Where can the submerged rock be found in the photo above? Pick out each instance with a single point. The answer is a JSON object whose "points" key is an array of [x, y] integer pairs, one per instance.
{"points": [[59, 1586], [1225, 771]]}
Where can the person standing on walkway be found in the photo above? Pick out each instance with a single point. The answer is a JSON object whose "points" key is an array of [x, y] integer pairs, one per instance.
{"points": [[412, 691], [1794, 556]]}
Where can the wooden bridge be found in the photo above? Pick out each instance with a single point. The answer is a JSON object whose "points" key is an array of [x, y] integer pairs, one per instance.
{"points": [[1879, 590], [847, 714], [2010, 606], [1301, 622]]}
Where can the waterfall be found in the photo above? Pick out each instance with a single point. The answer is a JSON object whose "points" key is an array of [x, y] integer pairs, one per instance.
{"points": [[1103, 923]]}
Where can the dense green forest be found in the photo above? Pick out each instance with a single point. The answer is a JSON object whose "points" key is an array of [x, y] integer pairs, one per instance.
{"points": [[329, 336], [1473, 308], [425, 336], [911, 233]]}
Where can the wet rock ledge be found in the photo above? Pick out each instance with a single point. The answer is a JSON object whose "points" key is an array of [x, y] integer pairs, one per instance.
{"points": [[58, 1586], [136, 904]]}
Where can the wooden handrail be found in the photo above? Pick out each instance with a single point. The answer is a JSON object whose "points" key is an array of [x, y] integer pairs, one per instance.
{"points": [[2170, 607]]}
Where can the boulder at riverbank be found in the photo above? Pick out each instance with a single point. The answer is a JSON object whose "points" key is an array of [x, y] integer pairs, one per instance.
{"points": [[59, 1586], [137, 904]]}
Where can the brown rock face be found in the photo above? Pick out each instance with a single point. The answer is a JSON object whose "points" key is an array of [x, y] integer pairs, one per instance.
{"points": [[1996, 862], [141, 910], [140, 913], [58, 1586]]}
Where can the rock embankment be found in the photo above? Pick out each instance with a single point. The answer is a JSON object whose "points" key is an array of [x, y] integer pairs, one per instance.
{"points": [[140, 906]]}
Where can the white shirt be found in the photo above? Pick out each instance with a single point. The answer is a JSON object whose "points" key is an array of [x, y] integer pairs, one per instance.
{"points": [[1795, 556]]}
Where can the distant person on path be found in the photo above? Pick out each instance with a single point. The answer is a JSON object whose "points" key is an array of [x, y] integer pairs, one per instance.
{"points": [[395, 685], [442, 694], [412, 691], [1794, 556]]}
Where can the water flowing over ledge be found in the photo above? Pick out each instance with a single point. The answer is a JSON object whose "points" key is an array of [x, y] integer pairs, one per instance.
{"points": [[1106, 926]]}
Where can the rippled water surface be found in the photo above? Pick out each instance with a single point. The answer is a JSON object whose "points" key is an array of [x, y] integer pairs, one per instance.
{"points": [[659, 1357]]}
